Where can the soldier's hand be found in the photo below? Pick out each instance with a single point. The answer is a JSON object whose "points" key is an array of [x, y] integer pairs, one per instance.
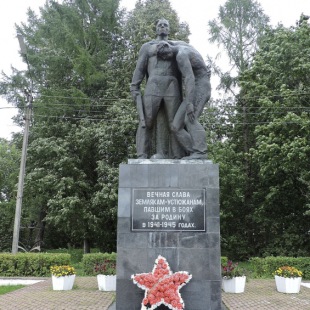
{"points": [[190, 112], [135, 93]]}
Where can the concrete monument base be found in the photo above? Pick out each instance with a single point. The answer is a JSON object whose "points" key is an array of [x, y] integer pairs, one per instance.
{"points": [[169, 208]]}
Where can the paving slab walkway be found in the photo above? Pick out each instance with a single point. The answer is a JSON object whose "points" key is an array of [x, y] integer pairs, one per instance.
{"points": [[85, 295], [258, 295], [261, 294]]}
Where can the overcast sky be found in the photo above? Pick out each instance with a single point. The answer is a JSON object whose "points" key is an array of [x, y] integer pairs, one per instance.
{"points": [[196, 13]]}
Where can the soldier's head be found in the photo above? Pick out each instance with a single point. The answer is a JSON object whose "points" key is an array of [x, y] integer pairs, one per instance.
{"points": [[162, 27], [165, 51]]}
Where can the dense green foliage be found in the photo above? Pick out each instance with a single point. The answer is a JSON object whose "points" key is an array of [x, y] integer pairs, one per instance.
{"points": [[265, 267], [276, 89], [264, 159], [30, 264], [90, 261], [76, 255], [224, 260], [9, 168], [82, 55]]}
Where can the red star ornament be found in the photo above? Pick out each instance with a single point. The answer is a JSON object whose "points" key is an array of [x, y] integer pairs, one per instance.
{"points": [[162, 286]]}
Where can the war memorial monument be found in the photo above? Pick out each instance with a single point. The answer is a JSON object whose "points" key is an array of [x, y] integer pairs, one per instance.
{"points": [[168, 234]]}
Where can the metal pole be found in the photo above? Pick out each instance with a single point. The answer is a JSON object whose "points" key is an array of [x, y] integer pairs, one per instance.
{"points": [[22, 169]]}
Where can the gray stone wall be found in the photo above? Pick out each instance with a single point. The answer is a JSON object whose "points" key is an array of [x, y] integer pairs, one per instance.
{"points": [[195, 252]]}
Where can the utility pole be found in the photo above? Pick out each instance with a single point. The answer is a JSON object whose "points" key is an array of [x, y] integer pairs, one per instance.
{"points": [[22, 169]]}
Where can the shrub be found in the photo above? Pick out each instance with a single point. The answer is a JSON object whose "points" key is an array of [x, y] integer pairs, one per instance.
{"points": [[90, 261], [75, 254], [30, 264], [224, 260], [265, 267]]}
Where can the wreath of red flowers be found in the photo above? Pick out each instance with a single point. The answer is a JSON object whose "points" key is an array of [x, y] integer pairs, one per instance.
{"points": [[162, 287]]}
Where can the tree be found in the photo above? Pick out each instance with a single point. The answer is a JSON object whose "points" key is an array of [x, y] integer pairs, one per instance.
{"points": [[67, 46], [282, 153], [9, 169], [278, 83], [264, 182], [238, 29], [81, 61]]}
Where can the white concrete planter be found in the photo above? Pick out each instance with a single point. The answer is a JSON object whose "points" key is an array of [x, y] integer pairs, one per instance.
{"points": [[106, 283], [288, 285], [64, 283], [234, 285]]}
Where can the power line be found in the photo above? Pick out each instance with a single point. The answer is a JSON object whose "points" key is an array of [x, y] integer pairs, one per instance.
{"points": [[90, 110], [292, 94], [89, 116], [54, 106], [83, 98], [84, 118], [136, 121]]}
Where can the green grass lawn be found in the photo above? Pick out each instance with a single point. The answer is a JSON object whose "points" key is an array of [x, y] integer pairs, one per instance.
{"points": [[9, 288]]}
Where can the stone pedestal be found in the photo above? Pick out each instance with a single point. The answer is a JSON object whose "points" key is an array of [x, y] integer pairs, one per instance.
{"points": [[193, 246]]}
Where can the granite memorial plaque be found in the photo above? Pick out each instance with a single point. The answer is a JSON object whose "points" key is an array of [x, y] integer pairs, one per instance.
{"points": [[172, 209]]}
